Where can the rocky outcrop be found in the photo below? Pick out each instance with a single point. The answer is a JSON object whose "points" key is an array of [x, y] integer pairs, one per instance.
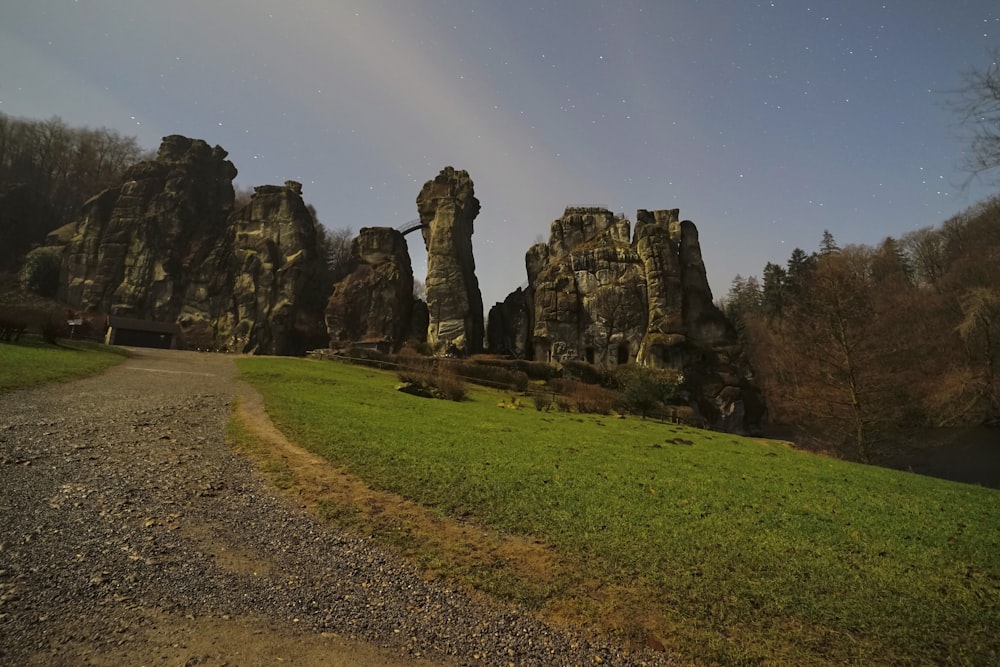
{"points": [[137, 245], [274, 264], [166, 246], [586, 289], [374, 302], [598, 294], [509, 325], [447, 207]]}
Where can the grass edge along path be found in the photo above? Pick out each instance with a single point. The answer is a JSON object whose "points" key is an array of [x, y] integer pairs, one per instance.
{"points": [[725, 549], [31, 362]]}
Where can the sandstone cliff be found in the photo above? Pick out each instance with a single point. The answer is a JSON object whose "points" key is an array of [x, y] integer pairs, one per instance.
{"points": [[374, 301], [166, 246], [274, 269], [599, 294], [137, 245], [447, 207]]}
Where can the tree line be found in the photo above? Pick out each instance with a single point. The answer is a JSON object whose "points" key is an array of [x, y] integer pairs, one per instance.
{"points": [[47, 171], [853, 346]]}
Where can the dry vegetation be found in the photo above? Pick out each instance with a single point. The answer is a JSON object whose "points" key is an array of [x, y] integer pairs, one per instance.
{"points": [[855, 345]]}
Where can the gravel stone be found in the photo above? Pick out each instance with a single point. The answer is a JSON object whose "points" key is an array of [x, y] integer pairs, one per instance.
{"points": [[129, 528]]}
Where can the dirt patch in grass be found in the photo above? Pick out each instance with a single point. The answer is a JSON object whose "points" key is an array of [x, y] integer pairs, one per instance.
{"points": [[515, 568]]}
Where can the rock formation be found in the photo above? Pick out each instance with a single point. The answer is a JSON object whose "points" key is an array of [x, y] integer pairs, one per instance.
{"points": [[597, 294], [448, 206], [165, 246], [277, 299], [374, 301], [509, 325], [137, 245]]}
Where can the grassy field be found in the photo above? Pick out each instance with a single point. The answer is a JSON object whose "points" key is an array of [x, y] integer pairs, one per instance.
{"points": [[727, 550], [31, 361]]}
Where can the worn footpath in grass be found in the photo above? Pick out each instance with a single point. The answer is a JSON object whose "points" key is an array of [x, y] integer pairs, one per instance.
{"points": [[728, 550], [31, 361]]}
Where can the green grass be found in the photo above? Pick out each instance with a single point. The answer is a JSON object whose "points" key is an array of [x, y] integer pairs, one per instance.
{"points": [[31, 362], [742, 551]]}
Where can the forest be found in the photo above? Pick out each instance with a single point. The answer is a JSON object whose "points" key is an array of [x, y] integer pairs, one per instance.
{"points": [[856, 347], [47, 171]]}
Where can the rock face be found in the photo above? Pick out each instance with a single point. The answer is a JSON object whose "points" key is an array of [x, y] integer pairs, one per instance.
{"points": [[448, 206], [165, 246], [596, 293], [277, 301], [137, 245], [374, 302], [509, 325]]}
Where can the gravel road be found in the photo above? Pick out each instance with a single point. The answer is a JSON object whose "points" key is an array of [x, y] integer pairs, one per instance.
{"points": [[132, 534]]}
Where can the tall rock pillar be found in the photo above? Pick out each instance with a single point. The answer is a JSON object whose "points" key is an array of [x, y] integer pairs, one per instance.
{"points": [[448, 206]]}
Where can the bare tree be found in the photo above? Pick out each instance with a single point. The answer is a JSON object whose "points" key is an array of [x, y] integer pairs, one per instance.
{"points": [[980, 329], [47, 171], [839, 359], [242, 197], [337, 248], [978, 103], [925, 250], [618, 310]]}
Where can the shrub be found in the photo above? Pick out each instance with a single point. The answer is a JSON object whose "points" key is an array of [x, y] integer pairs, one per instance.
{"points": [[644, 390], [438, 379], [50, 323], [370, 357], [450, 385], [40, 273], [579, 396], [12, 325], [416, 348], [52, 329], [493, 376], [583, 371], [411, 362], [542, 400], [535, 370]]}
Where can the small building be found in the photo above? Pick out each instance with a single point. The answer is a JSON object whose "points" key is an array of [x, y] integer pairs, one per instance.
{"points": [[141, 333]]}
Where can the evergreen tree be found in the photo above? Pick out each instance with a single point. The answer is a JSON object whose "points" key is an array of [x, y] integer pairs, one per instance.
{"points": [[799, 265], [889, 264], [773, 294], [828, 245]]}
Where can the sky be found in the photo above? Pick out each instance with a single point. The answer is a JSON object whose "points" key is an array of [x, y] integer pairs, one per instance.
{"points": [[765, 123]]}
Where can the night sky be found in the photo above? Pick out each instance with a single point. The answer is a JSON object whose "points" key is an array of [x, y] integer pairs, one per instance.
{"points": [[764, 122]]}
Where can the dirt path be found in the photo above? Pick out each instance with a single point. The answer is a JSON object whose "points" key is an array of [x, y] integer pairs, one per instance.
{"points": [[132, 534]]}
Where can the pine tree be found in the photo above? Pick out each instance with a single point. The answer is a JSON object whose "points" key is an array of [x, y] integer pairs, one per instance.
{"points": [[828, 245], [773, 294]]}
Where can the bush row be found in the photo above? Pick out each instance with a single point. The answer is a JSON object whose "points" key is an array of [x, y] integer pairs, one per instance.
{"points": [[14, 322], [582, 387]]}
